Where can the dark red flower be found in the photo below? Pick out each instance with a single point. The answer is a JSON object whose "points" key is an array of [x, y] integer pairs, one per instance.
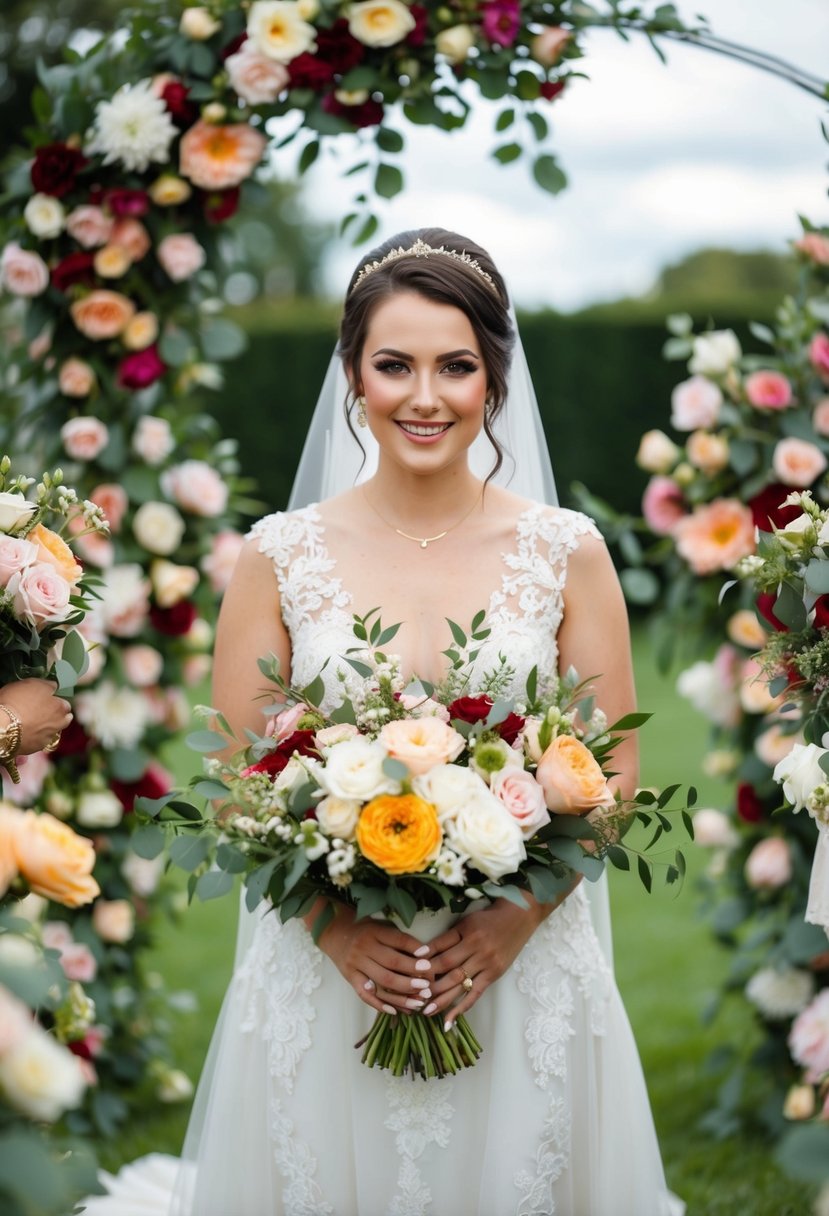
{"points": [[301, 741], [153, 783], [78, 267], [79, 1047], [476, 709], [173, 621], [821, 620], [767, 507], [749, 804], [220, 205], [550, 89], [141, 368], [339, 47], [765, 606], [74, 740], [123, 202], [310, 72], [233, 46], [175, 96], [421, 17], [367, 114], [55, 168]]}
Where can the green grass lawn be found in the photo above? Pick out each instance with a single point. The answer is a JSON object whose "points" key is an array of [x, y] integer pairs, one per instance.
{"points": [[666, 963]]}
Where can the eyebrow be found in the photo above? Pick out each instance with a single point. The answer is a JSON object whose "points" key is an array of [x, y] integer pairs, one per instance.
{"points": [[399, 354]]}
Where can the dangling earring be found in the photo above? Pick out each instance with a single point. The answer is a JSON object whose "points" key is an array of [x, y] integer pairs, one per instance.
{"points": [[362, 417]]}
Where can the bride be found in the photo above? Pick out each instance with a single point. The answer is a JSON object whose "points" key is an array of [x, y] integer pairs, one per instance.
{"points": [[554, 1117]]}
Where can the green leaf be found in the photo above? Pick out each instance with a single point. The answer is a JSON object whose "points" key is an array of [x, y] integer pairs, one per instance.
{"points": [[548, 174], [366, 230], [532, 685], [230, 858], [322, 921], [645, 873], [313, 693], [387, 140], [388, 181], [618, 857], [804, 1151], [639, 586], [223, 339], [308, 155], [209, 787], [66, 676], [789, 607], [256, 883], [666, 795], [457, 633], [527, 86], [505, 119], [817, 576], [395, 769], [743, 456], [214, 884], [510, 893], [630, 722], [402, 903], [147, 841], [73, 651], [206, 741], [539, 125], [507, 153], [176, 346], [128, 763], [188, 852]]}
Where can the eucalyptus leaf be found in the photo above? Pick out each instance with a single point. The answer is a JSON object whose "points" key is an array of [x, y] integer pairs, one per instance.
{"points": [[214, 884], [188, 852]]}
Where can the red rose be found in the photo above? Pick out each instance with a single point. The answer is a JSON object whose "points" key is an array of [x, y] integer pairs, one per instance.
{"points": [[141, 368], [301, 741], [55, 168], [79, 1047], [78, 267], [123, 202], [421, 17], [550, 89], [767, 506], [476, 709], [369, 114], [74, 740], [339, 47], [310, 72], [175, 96], [220, 205], [173, 621], [821, 620], [765, 606], [749, 804], [153, 783]]}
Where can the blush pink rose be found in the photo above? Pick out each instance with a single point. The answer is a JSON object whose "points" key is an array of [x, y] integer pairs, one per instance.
{"points": [[284, 724], [814, 246], [152, 439], [819, 355], [76, 378], [90, 226], [767, 390], [143, 665], [547, 47], [23, 273], [715, 536], [56, 935], [196, 487], [820, 417], [113, 501], [78, 962], [180, 255], [796, 462], [421, 743], [39, 595], [809, 1037], [84, 438], [220, 562], [523, 797], [33, 774], [695, 404], [195, 668], [15, 555], [131, 235], [663, 505], [93, 547], [257, 79], [769, 864]]}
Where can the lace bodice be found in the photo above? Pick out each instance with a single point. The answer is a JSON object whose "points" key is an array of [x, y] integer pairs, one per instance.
{"points": [[524, 611]]}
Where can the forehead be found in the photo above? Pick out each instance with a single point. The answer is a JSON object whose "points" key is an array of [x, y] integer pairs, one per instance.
{"points": [[409, 322]]}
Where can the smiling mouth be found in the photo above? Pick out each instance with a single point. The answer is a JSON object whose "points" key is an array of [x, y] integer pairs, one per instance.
{"points": [[424, 428]]}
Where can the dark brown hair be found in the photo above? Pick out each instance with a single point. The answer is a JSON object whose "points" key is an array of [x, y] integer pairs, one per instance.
{"points": [[445, 280]]}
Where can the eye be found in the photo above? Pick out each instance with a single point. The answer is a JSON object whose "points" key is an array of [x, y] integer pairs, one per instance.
{"points": [[460, 367], [392, 366]]}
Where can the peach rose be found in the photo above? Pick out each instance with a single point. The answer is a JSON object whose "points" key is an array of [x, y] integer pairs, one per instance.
{"points": [[769, 864], [84, 438], [172, 583], [421, 743], [141, 332], [707, 452], [169, 190], [198, 23], [217, 157], [9, 818], [181, 256], [663, 505], [744, 629], [143, 665], [715, 536], [113, 501], [23, 273], [774, 745], [102, 314], [220, 563], [571, 777], [54, 551], [820, 417], [76, 378], [152, 439], [196, 487], [54, 860], [695, 404], [755, 697], [90, 226], [113, 919], [131, 236], [767, 390], [523, 797], [15, 555], [92, 547], [819, 355], [257, 79], [796, 462], [39, 595], [657, 453], [112, 262], [547, 47], [815, 247]]}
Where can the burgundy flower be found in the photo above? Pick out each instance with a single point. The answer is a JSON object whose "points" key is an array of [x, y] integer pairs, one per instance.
{"points": [[233, 46], [310, 72], [475, 709], [75, 268], [153, 783], [175, 96], [173, 621], [123, 202], [749, 804], [767, 507], [765, 606], [55, 169], [220, 205], [80, 1047], [550, 89], [338, 51], [368, 114], [821, 620], [502, 21], [74, 740], [421, 18], [141, 368], [301, 741]]}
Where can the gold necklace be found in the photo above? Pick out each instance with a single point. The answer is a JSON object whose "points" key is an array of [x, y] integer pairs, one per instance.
{"points": [[423, 541]]}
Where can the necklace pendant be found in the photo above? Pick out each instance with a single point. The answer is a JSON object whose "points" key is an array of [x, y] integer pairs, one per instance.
{"points": [[424, 544]]}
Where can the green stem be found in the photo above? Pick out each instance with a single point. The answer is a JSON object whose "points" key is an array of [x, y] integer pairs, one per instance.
{"points": [[375, 1038]]}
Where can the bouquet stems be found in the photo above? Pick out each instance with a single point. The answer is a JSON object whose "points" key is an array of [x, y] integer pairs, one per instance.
{"points": [[419, 1045]]}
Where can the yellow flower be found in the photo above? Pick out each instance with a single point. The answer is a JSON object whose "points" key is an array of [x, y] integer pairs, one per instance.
{"points": [[400, 833], [54, 551], [55, 860]]}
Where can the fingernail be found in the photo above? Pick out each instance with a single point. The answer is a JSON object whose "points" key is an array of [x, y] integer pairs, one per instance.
{"points": [[419, 983], [425, 993], [431, 1008], [413, 1003], [423, 964], [389, 1009], [447, 1026], [422, 950]]}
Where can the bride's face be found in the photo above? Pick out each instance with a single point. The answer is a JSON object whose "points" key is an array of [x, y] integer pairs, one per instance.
{"points": [[424, 381]]}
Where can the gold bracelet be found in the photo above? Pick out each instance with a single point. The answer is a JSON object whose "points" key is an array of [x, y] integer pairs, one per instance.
{"points": [[10, 743]]}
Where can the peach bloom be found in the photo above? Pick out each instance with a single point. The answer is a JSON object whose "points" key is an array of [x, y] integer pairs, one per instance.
{"points": [[819, 355], [773, 745], [571, 777], [131, 235], [374, 22], [92, 547], [218, 157], [257, 79], [707, 452], [90, 226], [172, 583], [9, 817], [809, 1038], [421, 743], [23, 273], [715, 536], [181, 256], [113, 919], [152, 439], [744, 629], [55, 861], [820, 417], [75, 378], [755, 697], [143, 665], [54, 551], [769, 865], [78, 962], [112, 262], [547, 47], [767, 390], [39, 595], [799, 1102], [657, 453], [663, 505], [15, 555], [523, 797], [102, 314], [84, 438], [113, 501], [695, 403], [196, 487], [814, 246], [195, 668], [141, 332], [220, 563], [796, 462], [169, 190]]}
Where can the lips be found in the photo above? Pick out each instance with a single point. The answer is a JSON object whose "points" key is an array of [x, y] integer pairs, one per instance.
{"points": [[424, 429]]}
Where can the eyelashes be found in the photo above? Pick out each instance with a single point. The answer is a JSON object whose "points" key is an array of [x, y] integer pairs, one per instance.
{"points": [[461, 367]]}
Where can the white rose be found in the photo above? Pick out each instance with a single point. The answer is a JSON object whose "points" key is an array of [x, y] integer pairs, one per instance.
{"points": [[354, 769], [695, 404], [329, 736], [293, 777], [174, 1086], [657, 453], [337, 817], [799, 773], [172, 583], [142, 873], [15, 512], [485, 832], [455, 43], [158, 527], [152, 439], [375, 23], [276, 28], [40, 1077], [197, 23], [714, 353], [449, 787], [713, 829], [702, 686], [44, 215], [99, 809]]}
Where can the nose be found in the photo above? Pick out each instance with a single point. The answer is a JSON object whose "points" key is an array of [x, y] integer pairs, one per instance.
{"points": [[424, 398]]}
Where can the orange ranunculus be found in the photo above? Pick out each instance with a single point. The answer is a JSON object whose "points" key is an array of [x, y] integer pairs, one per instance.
{"points": [[216, 157], [54, 550], [400, 833], [571, 777], [55, 861], [102, 314], [715, 536]]}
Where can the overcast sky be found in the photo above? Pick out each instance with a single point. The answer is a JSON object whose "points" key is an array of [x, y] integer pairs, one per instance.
{"points": [[661, 159]]}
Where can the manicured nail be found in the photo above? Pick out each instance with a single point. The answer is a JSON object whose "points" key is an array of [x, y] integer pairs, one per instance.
{"points": [[422, 950], [425, 993], [389, 1009], [423, 964], [431, 1008], [413, 1003], [447, 1026], [419, 983]]}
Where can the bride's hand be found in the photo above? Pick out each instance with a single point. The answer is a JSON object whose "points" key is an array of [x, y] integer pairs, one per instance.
{"points": [[480, 948], [385, 967]]}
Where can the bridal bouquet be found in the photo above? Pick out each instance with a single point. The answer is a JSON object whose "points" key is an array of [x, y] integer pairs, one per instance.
{"points": [[408, 799], [43, 589]]}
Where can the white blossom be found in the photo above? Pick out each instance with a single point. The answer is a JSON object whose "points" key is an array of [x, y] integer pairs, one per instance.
{"points": [[133, 127], [781, 993]]}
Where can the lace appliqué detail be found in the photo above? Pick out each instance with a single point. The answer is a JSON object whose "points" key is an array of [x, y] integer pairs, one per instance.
{"points": [[551, 1159], [420, 1115]]}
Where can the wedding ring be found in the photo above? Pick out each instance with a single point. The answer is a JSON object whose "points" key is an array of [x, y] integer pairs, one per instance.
{"points": [[467, 982], [53, 742]]}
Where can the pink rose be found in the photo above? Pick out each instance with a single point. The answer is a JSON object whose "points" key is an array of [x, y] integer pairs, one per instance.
{"points": [[39, 595], [285, 723], [143, 665], [195, 668], [113, 501], [76, 378], [420, 706], [15, 555], [815, 247], [84, 438], [181, 256], [113, 919], [132, 237], [23, 273], [696, 404], [767, 390], [796, 462], [547, 47], [33, 774], [220, 563], [769, 864], [820, 417], [152, 439], [809, 1037], [89, 226], [715, 536], [663, 505], [819, 355], [78, 962], [257, 79], [421, 743], [57, 935], [523, 797], [196, 487], [755, 697]]}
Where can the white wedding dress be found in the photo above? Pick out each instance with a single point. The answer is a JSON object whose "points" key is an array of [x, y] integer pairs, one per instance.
{"points": [[553, 1119]]}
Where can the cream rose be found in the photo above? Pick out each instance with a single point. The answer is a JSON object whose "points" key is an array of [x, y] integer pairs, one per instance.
{"points": [[256, 77], [99, 809], [714, 353], [797, 462], [707, 452], [769, 864], [800, 773], [169, 190], [523, 797], [276, 28], [571, 777], [41, 1077], [799, 1102], [809, 1037], [15, 511], [23, 273], [421, 743], [113, 919], [484, 831], [44, 216], [141, 332], [142, 873], [657, 453], [330, 736], [153, 440], [337, 817], [455, 43], [181, 256], [695, 403], [354, 770], [112, 262], [90, 226], [15, 555], [172, 583], [196, 487], [198, 24], [39, 594], [375, 23], [76, 378], [449, 787], [158, 527], [54, 860], [714, 830]]}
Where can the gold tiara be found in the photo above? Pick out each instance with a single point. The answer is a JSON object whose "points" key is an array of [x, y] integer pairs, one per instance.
{"points": [[421, 250]]}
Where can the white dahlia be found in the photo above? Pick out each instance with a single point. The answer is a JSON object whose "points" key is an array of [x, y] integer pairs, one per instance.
{"points": [[116, 716], [134, 127], [780, 993]]}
